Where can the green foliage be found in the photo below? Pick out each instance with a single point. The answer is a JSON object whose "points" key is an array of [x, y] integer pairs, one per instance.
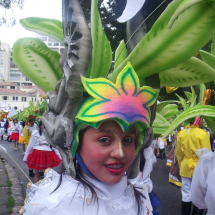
{"points": [[165, 48], [202, 89], [198, 110], [210, 122], [208, 58], [37, 62], [120, 54], [160, 121], [169, 111], [183, 102], [101, 53], [188, 73], [161, 105], [49, 27]]}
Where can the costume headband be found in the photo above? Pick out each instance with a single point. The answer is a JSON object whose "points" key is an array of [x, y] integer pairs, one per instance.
{"points": [[125, 102]]}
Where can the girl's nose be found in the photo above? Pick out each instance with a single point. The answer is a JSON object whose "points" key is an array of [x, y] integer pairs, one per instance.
{"points": [[117, 150]]}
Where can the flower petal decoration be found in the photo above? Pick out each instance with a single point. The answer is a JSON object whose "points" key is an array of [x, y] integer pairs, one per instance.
{"points": [[124, 100]]}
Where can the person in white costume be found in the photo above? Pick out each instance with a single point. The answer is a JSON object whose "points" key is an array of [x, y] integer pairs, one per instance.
{"points": [[107, 141], [2, 123], [15, 133], [39, 155], [203, 186], [104, 174]]}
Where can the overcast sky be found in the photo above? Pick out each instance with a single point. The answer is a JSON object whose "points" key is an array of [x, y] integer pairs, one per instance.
{"points": [[32, 8]]}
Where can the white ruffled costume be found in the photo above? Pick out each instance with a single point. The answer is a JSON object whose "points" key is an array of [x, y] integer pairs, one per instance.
{"points": [[203, 182], [72, 198]]}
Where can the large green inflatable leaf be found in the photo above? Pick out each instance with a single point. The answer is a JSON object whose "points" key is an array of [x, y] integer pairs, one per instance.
{"points": [[169, 111], [102, 53], [120, 54], [49, 27], [160, 121], [37, 62], [213, 47], [208, 58], [198, 110], [166, 48], [188, 73], [158, 131], [161, 105]]}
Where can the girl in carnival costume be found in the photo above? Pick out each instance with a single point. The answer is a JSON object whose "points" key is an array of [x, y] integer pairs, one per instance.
{"points": [[15, 133], [39, 154], [109, 133]]}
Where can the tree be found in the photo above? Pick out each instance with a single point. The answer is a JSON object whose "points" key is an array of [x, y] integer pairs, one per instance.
{"points": [[7, 18]]}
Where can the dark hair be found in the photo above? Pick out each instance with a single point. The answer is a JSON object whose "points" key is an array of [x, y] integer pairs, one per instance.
{"points": [[14, 122], [40, 128], [87, 184], [23, 124]]}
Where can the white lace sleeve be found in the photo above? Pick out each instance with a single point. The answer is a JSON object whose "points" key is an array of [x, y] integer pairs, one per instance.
{"points": [[204, 153]]}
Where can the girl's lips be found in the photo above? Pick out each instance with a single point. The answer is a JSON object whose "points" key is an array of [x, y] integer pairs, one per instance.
{"points": [[115, 168]]}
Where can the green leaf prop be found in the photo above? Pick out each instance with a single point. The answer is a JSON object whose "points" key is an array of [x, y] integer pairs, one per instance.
{"points": [[161, 105], [102, 53], [158, 131], [169, 111], [189, 95], [183, 102], [198, 110], [188, 73], [210, 122], [36, 61], [208, 58], [120, 54], [49, 27], [160, 121], [193, 100], [202, 89], [213, 47], [165, 48]]}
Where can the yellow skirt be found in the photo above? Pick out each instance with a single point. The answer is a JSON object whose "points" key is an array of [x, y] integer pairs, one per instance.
{"points": [[21, 140]]}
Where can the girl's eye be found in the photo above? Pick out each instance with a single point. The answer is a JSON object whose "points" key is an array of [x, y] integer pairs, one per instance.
{"points": [[128, 140], [104, 140]]}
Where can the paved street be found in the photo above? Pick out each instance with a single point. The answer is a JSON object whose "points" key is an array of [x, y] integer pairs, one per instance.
{"points": [[169, 194]]}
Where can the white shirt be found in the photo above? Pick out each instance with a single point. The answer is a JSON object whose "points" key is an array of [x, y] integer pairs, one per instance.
{"points": [[32, 128], [161, 144], [72, 198], [15, 128], [144, 177], [39, 143], [2, 124], [20, 131], [203, 181]]}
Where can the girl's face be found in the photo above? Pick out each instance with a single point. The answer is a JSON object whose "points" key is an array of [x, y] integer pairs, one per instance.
{"points": [[15, 121], [108, 151]]}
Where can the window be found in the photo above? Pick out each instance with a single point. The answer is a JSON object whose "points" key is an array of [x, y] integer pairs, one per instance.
{"points": [[24, 78], [2, 54], [14, 98], [32, 99], [49, 44], [23, 99], [1, 67], [4, 97], [56, 44], [12, 87], [17, 98], [2, 62], [35, 99], [1, 75], [41, 99], [15, 75]]}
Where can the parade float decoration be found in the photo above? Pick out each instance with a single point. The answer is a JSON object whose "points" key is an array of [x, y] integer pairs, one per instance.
{"points": [[162, 57]]}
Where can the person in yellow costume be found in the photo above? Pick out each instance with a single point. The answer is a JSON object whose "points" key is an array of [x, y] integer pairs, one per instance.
{"points": [[27, 131], [188, 141]]}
